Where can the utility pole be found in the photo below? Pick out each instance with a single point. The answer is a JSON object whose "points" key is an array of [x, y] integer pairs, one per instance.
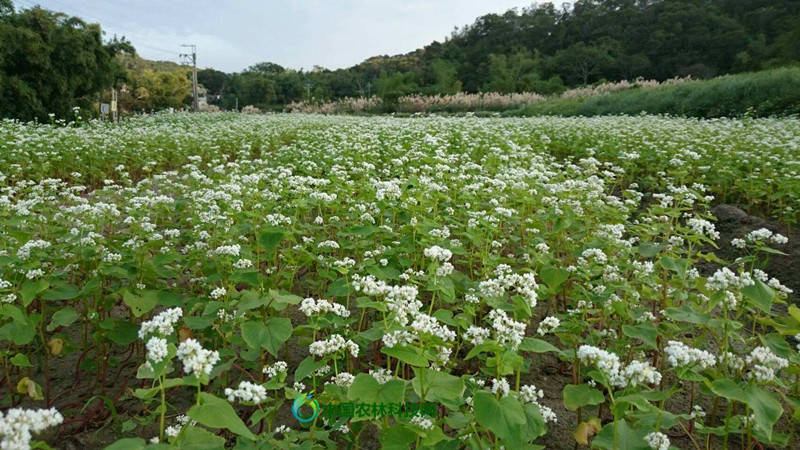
{"points": [[193, 55], [114, 117]]}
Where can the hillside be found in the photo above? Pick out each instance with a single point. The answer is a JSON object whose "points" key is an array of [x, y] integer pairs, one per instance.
{"points": [[546, 49]]}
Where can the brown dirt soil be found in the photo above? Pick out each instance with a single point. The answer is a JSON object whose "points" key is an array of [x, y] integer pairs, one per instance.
{"points": [[732, 222]]}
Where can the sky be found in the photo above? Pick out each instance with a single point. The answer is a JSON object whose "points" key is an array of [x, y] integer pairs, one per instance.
{"points": [[233, 34]]}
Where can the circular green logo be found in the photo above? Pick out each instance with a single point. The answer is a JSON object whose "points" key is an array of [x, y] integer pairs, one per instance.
{"points": [[302, 400]]}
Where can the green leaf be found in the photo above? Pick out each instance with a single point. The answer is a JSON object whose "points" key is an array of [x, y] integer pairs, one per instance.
{"points": [[505, 418], [445, 286], [270, 239], [20, 360], [777, 344], [439, 386], [366, 389], [254, 334], [249, 277], [215, 412], [649, 249], [397, 437], [30, 289], [140, 305], [576, 396], [727, 388], [794, 311], [645, 332], [537, 346], [338, 288], [627, 438], [251, 300], [407, 353], [21, 331], [553, 277], [765, 406], [281, 300], [279, 330], [307, 366], [194, 438], [269, 335], [677, 265], [365, 230], [759, 295], [484, 347], [123, 333], [62, 292], [64, 317], [686, 313]]}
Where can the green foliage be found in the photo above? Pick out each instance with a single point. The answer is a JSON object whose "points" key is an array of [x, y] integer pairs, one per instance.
{"points": [[758, 94], [52, 63], [439, 263]]}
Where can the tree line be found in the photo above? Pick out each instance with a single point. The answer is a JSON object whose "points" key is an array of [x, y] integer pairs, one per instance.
{"points": [[51, 62], [547, 49]]}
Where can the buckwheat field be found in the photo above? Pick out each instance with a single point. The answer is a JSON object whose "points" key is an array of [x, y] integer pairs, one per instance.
{"points": [[180, 280]]}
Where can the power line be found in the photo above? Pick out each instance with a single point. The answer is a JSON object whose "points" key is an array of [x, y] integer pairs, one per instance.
{"points": [[116, 26]]}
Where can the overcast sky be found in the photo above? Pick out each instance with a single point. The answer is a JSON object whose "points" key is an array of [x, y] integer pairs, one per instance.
{"points": [[233, 34]]}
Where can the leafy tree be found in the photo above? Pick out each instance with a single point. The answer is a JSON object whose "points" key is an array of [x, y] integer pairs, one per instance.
{"points": [[213, 80], [581, 63], [51, 62], [445, 74], [516, 72], [153, 90], [391, 87], [266, 68]]}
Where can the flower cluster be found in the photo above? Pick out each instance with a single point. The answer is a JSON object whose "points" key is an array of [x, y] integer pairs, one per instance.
{"points": [[548, 325], [438, 253], [162, 324], [680, 354], [530, 394], [764, 364], [657, 441], [334, 344], [17, 425], [309, 307], [195, 358], [247, 392]]}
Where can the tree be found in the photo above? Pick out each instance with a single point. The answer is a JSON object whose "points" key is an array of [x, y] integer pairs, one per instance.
{"points": [[391, 87], [51, 62], [213, 80], [266, 68], [445, 75], [154, 90], [579, 63], [516, 72]]}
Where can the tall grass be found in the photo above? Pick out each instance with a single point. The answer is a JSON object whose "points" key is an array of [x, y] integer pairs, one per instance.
{"points": [[773, 92]]}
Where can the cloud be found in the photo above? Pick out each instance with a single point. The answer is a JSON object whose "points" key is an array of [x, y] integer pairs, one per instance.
{"points": [[299, 34]]}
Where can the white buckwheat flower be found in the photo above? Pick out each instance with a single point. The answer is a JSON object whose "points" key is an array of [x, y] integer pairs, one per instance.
{"points": [[657, 441], [548, 325], [156, 349], [17, 424], [278, 367], [195, 358], [680, 354], [438, 253], [247, 392], [162, 323], [764, 364]]}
